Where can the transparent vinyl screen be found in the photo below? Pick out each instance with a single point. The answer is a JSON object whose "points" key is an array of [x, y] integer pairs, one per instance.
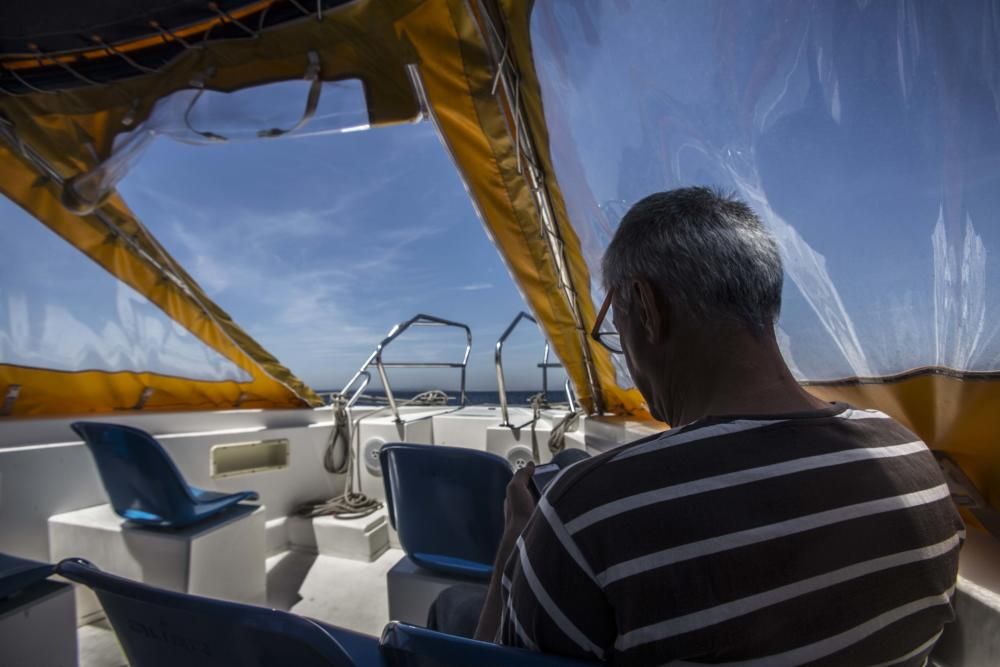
{"points": [[318, 242], [61, 311], [865, 134]]}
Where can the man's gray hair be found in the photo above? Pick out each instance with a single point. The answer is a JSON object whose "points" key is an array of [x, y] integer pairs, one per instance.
{"points": [[701, 246]]}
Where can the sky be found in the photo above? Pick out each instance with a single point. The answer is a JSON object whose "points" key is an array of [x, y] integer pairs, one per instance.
{"points": [[317, 246], [876, 164], [867, 141]]}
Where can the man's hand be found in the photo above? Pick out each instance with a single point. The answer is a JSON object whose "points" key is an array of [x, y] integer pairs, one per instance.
{"points": [[517, 509], [520, 502]]}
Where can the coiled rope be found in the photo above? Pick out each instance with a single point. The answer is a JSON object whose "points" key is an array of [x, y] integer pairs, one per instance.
{"points": [[557, 437], [339, 445], [344, 436]]}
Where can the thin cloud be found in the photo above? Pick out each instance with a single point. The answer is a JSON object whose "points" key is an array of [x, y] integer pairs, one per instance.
{"points": [[320, 278], [303, 315]]}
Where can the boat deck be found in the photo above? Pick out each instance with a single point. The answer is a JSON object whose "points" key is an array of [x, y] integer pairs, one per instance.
{"points": [[347, 593]]}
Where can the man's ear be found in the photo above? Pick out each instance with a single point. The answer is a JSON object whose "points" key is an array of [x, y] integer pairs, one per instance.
{"points": [[653, 311]]}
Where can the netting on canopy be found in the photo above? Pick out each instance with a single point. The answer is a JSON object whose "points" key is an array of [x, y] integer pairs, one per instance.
{"points": [[293, 109], [865, 134]]}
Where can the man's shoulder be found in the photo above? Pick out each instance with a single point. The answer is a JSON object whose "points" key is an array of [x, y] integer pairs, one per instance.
{"points": [[693, 446], [595, 470]]}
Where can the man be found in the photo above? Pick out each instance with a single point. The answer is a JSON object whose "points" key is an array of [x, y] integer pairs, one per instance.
{"points": [[767, 527]]}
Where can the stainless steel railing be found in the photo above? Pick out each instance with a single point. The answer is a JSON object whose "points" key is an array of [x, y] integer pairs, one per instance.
{"points": [[498, 362], [567, 385], [375, 359], [574, 405], [545, 365], [361, 387]]}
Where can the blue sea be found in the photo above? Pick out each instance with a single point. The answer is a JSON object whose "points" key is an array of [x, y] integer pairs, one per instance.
{"points": [[472, 397]]}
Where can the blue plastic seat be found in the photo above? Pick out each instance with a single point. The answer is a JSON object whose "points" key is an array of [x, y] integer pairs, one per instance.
{"points": [[405, 645], [16, 574], [446, 503], [159, 628], [142, 481]]}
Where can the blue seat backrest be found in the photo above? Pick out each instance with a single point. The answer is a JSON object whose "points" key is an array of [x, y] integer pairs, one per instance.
{"points": [[139, 476], [159, 628], [405, 645], [16, 574], [446, 503]]}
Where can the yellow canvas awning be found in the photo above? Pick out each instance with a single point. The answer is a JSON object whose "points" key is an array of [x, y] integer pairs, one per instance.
{"points": [[72, 131], [494, 126], [114, 239], [478, 120]]}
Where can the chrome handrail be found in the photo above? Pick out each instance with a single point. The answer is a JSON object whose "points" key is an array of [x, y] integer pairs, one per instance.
{"points": [[360, 390], [567, 386], [545, 366], [570, 395], [498, 362], [375, 357]]}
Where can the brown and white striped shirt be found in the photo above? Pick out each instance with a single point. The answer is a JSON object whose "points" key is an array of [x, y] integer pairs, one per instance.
{"points": [[820, 538]]}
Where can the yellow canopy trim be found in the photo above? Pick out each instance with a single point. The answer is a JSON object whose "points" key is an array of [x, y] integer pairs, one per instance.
{"points": [[74, 130], [123, 247], [517, 14], [478, 121], [953, 413], [71, 132], [30, 61], [487, 128], [46, 393]]}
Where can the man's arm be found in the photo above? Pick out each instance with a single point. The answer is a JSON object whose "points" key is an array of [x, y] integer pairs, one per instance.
{"points": [[553, 602], [519, 505]]}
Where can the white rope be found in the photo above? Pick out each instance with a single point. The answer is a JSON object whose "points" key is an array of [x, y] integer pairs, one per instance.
{"points": [[557, 437], [353, 504]]}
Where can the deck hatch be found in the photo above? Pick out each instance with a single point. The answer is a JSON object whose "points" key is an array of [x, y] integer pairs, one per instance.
{"points": [[244, 458]]}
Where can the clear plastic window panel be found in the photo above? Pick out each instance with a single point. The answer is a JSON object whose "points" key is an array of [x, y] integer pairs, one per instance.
{"points": [[61, 311], [865, 134], [317, 245], [293, 109]]}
